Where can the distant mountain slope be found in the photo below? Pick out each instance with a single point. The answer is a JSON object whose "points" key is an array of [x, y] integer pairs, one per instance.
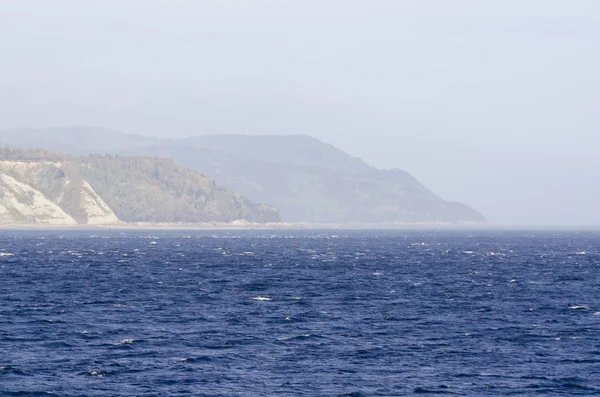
{"points": [[308, 180], [292, 150], [41, 187], [318, 196]]}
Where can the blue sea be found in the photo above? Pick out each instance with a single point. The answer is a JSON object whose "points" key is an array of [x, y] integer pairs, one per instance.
{"points": [[299, 313]]}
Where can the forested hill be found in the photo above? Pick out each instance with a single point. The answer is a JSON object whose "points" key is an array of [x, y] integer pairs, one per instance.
{"points": [[145, 189], [136, 189]]}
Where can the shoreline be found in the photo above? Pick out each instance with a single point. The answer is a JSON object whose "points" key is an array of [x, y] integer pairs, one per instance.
{"points": [[147, 226], [293, 226]]}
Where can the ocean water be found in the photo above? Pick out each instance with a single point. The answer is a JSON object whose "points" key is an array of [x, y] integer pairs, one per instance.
{"points": [[299, 313]]}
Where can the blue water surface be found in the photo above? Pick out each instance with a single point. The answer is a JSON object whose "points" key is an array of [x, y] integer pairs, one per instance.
{"points": [[299, 313]]}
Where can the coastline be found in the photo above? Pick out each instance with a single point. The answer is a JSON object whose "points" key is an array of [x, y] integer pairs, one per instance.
{"points": [[243, 225], [150, 226]]}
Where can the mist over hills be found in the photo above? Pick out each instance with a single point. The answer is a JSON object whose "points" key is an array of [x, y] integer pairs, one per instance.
{"points": [[306, 179]]}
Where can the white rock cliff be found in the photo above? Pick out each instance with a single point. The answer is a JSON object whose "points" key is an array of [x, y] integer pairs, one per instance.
{"points": [[49, 193]]}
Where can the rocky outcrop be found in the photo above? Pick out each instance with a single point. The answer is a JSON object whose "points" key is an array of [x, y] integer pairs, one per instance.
{"points": [[22, 204], [52, 193], [96, 210]]}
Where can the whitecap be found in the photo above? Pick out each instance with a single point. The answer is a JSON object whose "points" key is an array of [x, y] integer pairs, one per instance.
{"points": [[2, 254], [468, 252], [579, 307], [295, 337], [128, 341], [262, 298]]}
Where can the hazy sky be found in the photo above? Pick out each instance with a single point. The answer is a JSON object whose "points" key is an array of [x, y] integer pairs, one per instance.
{"points": [[495, 103]]}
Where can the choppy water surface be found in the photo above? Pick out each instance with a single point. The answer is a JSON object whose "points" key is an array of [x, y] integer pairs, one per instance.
{"points": [[299, 313]]}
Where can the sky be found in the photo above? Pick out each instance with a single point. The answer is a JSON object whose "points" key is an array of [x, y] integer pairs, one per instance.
{"points": [[493, 103]]}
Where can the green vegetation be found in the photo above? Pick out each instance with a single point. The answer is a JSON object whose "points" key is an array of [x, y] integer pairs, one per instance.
{"points": [[137, 189], [144, 189]]}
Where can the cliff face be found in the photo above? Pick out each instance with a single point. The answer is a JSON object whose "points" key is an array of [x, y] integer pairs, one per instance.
{"points": [[22, 204], [46, 192]]}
